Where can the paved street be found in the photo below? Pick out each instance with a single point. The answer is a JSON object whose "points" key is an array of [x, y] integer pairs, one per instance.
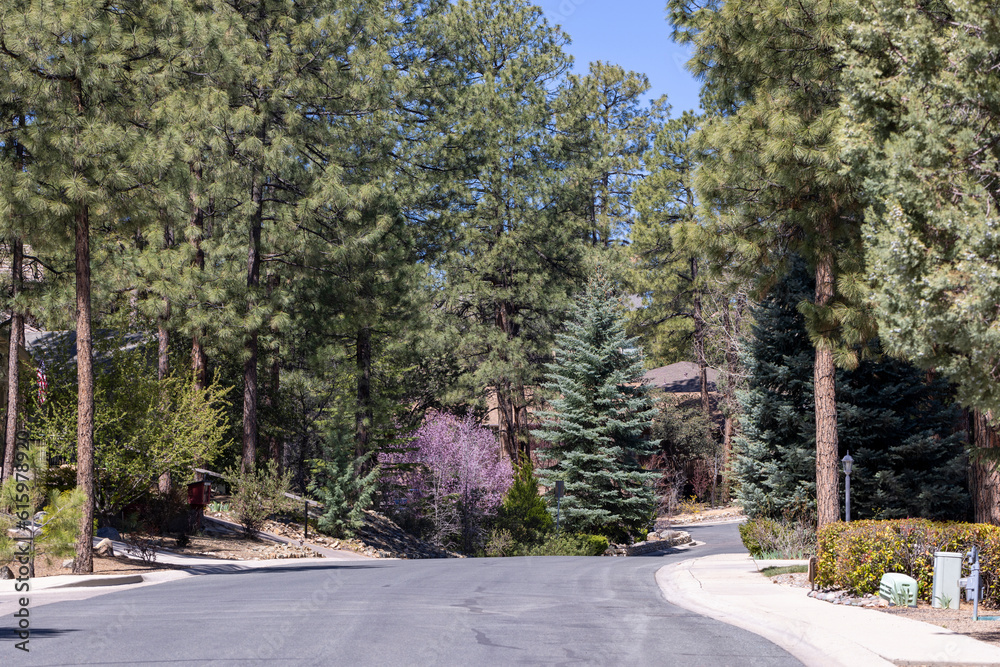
{"points": [[490, 611]]}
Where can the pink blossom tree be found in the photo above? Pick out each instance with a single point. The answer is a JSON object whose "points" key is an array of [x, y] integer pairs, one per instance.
{"points": [[452, 475]]}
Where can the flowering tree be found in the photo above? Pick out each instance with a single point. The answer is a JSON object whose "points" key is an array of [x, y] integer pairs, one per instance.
{"points": [[452, 476]]}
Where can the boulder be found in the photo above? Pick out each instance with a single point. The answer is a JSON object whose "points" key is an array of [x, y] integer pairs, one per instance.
{"points": [[104, 548], [109, 533], [6, 573], [67, 564]]}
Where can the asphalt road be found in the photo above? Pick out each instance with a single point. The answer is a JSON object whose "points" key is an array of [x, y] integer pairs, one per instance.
{"points": [[482, 611]]}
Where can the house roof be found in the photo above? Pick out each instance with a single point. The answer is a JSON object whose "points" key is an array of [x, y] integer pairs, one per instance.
{"points": [[680, 377]]}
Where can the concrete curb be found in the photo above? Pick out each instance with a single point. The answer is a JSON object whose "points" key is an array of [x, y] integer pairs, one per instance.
{"points": [[680, 587], [728, 588], [110, 580]]}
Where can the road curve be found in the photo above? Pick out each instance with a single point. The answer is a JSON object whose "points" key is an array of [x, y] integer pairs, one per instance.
{"points": [[477, 611]]}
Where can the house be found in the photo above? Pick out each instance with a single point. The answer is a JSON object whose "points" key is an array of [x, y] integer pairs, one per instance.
{"points": [[680, 378]]}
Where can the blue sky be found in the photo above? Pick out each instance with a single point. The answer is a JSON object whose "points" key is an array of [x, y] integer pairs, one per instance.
{"points": [[631, 33]]}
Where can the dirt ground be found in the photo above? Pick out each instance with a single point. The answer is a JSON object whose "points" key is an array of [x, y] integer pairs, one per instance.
{"points": [[956, 620], [235, 547]]}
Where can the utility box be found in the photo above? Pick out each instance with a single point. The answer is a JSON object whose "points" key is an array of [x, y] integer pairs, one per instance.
{"points": [[946, 592], [898, 589]]}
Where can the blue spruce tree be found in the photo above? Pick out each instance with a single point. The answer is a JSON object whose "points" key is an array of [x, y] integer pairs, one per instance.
{"points": [[596, 424]]}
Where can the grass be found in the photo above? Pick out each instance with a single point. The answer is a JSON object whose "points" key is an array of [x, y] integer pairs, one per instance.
{"points": [[789, 569]]}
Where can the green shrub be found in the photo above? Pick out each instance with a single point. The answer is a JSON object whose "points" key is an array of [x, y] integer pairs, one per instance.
{"points": [[854, 556], [258, 494], [565, 544], [768, 538], [523, 513], [749, 536]]}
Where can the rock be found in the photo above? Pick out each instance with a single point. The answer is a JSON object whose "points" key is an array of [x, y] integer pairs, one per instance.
{"points": [[104, 548], [109, 533], [5, 573], [67, 564]]}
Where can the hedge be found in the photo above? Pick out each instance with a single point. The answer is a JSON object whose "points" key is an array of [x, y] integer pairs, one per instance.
{"points": [[854, 556]]}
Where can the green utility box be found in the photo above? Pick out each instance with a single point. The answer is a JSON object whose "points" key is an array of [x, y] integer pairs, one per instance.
{"points": [[898, 589]]}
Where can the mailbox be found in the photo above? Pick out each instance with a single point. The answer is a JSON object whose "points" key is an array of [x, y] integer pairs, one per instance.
{"points": [[199, 493]]}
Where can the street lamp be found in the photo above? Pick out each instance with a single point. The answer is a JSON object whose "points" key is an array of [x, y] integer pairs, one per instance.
{"points": [[848, 462], [560, 490]]}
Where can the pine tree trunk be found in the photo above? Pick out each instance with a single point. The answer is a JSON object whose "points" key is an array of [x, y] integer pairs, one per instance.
{"points": [[363, 409], [512, 403], [729, 425], [251, 346], [83, 563], [163, 343], [824, 383], [699, 343], [276, 446], [13, 375], [984, 480], [162, 370], [199, 361]]}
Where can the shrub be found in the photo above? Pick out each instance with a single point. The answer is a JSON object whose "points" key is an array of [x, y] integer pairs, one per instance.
{"points": [[566, 544], [855, 555], [258, 494], [143, 426], [768, 538]]}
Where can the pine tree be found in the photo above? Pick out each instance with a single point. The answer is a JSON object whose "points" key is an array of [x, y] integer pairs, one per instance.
{"points": [[923, 131], [898, 426], [510, 260], [86, 73], [772, 180], [343, 486], [665, 275], [595, 427]]}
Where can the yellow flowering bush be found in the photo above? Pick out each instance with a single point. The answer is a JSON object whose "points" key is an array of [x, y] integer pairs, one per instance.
{"points": [[855, 555]]}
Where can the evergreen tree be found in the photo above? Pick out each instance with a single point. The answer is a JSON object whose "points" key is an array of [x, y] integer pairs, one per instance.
{"points": [[595, 427], [772, 180], [523, 511], [663, 273], [513, 253], [898, 427], [86, 74], [342, 485], [924, 132]]}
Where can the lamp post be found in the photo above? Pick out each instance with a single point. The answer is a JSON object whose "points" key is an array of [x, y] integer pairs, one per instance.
{"points": [[560, 489], [848, 462]]}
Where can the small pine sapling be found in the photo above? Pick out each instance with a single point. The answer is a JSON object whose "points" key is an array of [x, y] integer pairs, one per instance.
{"points": [[342, 485], [524, 513]]}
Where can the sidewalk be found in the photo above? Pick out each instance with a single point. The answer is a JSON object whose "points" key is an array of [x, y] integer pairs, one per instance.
{"points": [[729, 588], [193, 565]]}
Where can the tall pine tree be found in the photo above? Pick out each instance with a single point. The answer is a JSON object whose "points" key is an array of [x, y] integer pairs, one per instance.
{"points": [[86, 73], [899, 427], [772, 180]]}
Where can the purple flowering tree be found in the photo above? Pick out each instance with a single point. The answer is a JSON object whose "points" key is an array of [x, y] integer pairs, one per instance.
{"points": [[452, 476]]}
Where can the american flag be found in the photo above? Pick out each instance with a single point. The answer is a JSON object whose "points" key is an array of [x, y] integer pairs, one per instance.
{"points": [[43, 383]]}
